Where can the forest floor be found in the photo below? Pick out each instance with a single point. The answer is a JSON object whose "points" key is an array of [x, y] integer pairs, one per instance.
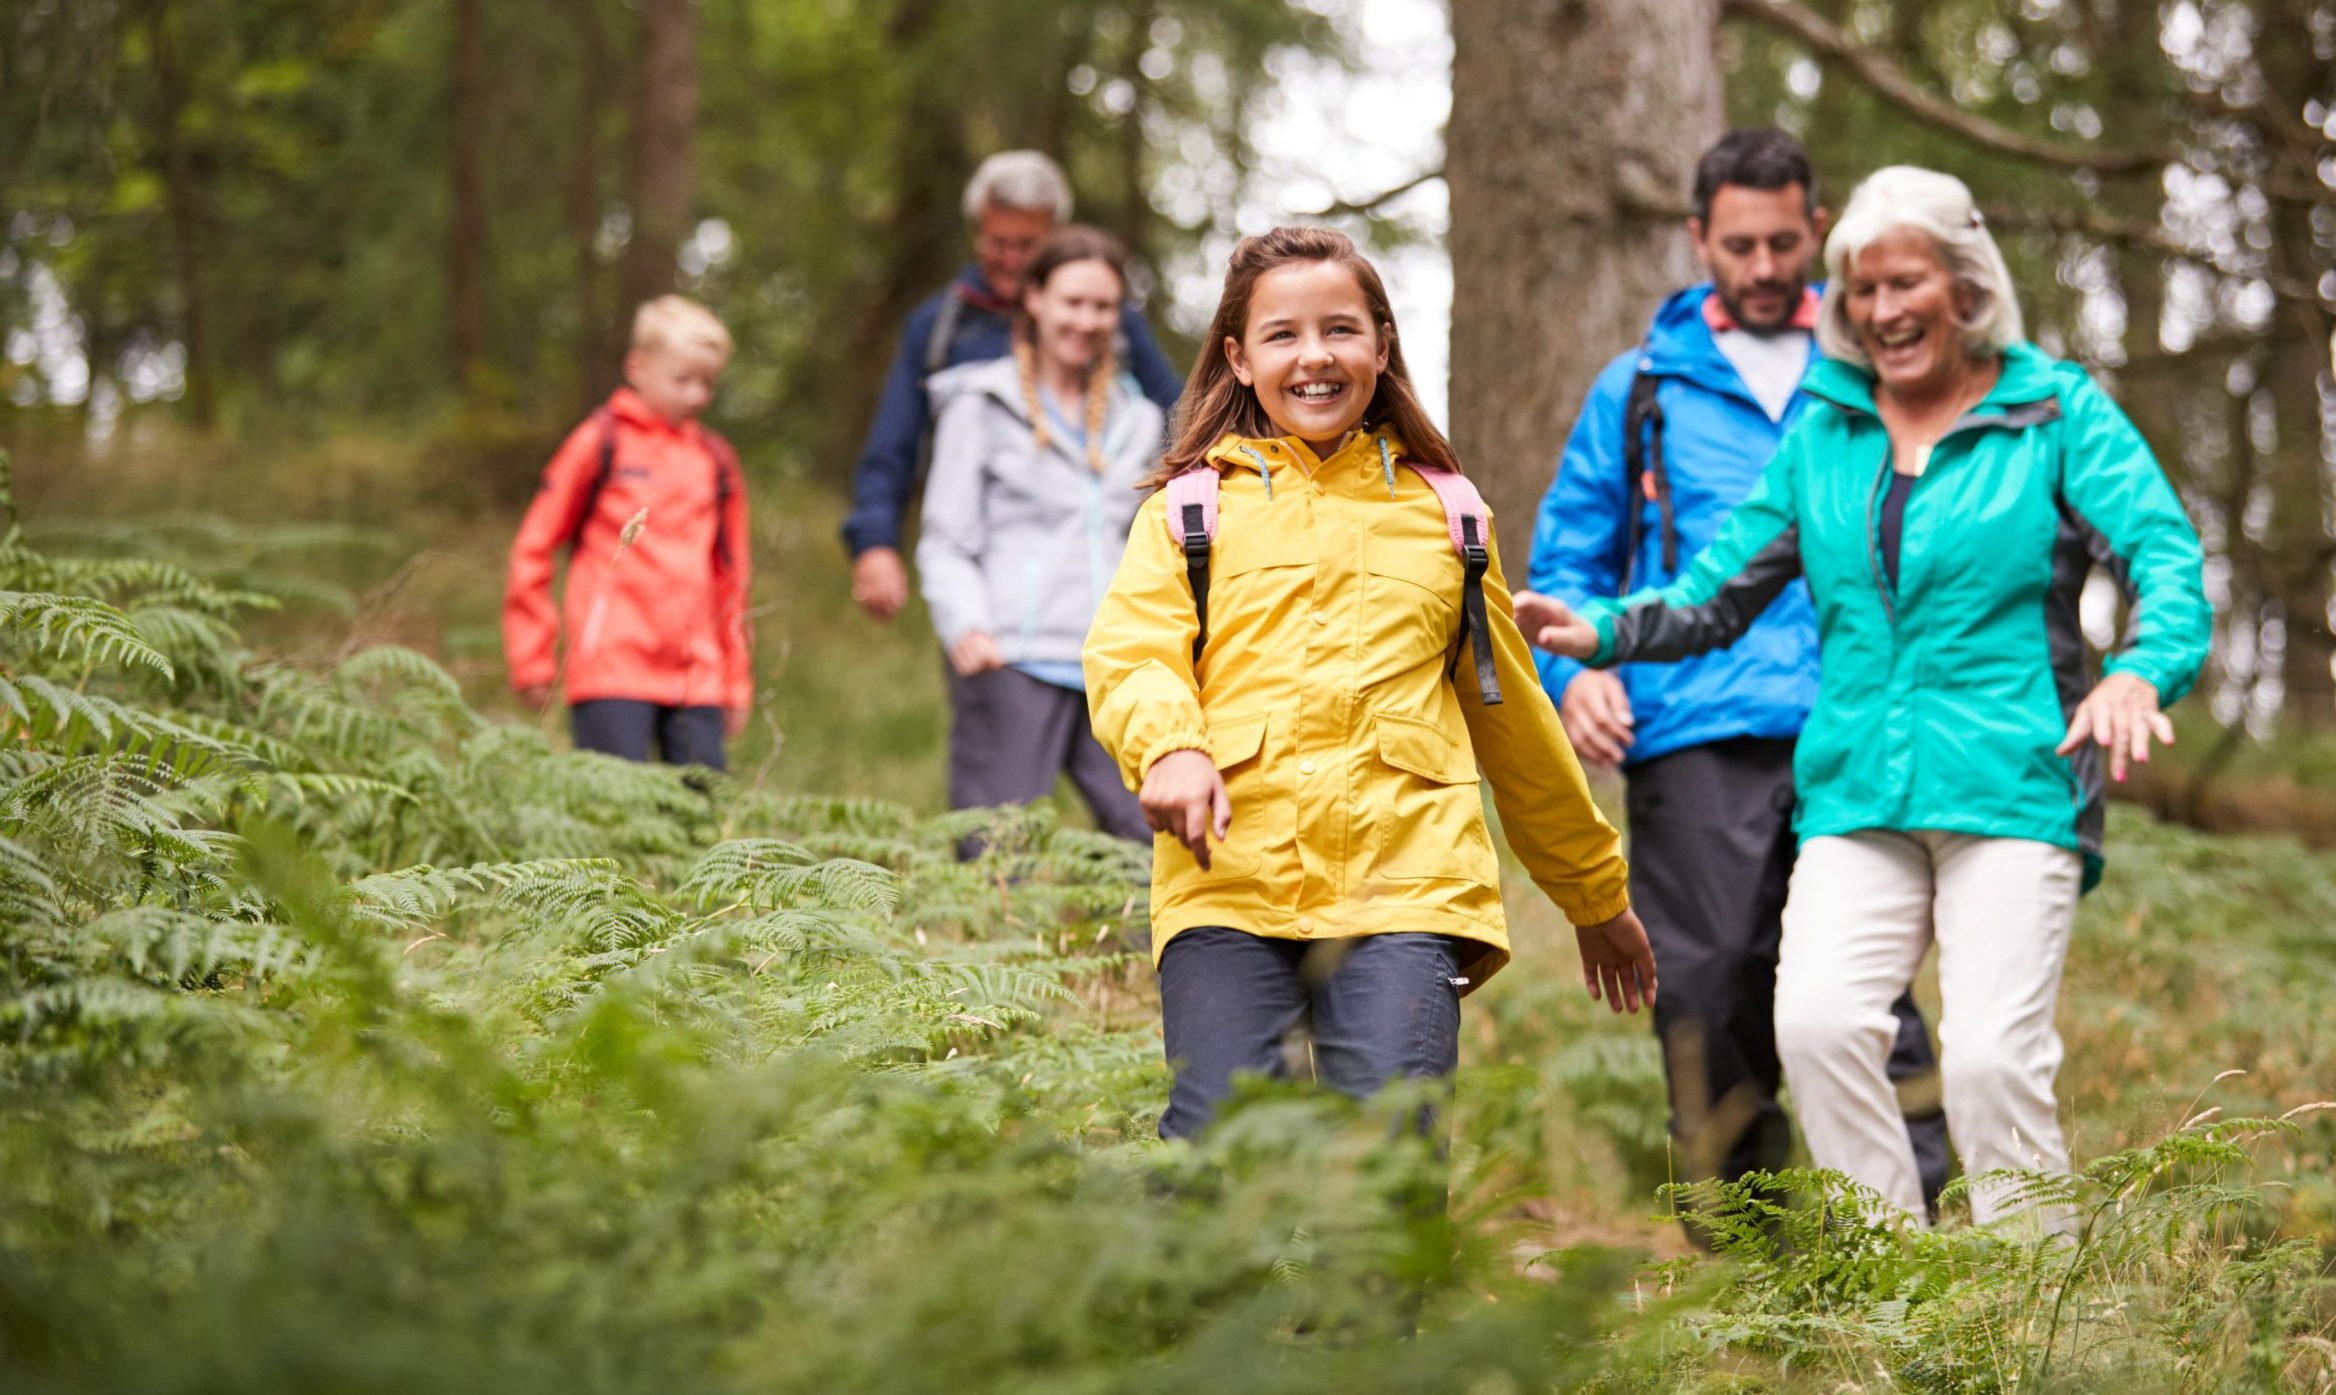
{"points": [[2197, 981]]}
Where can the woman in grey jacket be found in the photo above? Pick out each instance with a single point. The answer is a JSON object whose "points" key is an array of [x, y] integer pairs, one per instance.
{"points": [[1036, 463]]}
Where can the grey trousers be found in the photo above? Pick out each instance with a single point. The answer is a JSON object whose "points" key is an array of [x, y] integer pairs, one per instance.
{"points": [[1010, 735], [1380, 1008]]}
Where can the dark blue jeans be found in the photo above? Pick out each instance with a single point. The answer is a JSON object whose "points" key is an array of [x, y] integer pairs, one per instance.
{"points": [[1381, 1008], [623, 727]]}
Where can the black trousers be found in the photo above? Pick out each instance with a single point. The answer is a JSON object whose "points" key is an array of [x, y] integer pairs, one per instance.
{"points": [[1711, 853], [1381, 1008], [623, 727]]}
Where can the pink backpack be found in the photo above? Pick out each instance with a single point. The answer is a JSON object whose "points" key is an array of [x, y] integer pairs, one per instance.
{"points": [[1192, 524]]}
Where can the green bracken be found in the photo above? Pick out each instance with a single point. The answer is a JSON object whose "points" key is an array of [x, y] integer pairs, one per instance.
{"points": [[352, 1040]]}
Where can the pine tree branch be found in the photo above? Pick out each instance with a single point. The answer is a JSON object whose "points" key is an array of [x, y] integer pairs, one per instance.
{"points": [[1887, 80]]}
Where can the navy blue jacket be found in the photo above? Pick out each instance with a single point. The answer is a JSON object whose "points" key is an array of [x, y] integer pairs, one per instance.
{"points": [[886, 479], [1716, 442]]}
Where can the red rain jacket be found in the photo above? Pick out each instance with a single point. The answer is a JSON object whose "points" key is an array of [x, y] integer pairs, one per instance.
{"points": [[666, 621]]}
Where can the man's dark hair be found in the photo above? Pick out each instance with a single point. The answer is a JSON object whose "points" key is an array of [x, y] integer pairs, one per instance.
{"points": [[1759, 157]]}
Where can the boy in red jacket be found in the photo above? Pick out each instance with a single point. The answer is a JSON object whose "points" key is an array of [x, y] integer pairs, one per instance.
{"points": [[654, 619]]}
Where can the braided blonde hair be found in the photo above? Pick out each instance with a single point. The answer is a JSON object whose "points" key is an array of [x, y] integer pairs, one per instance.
{"points": [[1076, 243]]}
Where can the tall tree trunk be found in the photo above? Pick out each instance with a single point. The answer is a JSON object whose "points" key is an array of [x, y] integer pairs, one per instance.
{"points": [[1575, 127], [665, 115], [594, 370], [2299, 379], [466, 221], [186, 245]]}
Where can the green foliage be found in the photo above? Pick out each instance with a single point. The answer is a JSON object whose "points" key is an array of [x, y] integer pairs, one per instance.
{"points": [[350, 1039]]}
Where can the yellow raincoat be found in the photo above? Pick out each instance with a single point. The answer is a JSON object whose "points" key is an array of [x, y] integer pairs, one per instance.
{"points": [[1352, 764]]}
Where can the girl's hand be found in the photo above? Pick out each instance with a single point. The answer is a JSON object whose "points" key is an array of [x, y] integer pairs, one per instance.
{"points": [[1551, 624], [976, 653], [2121, 713], [1618, 965], [734, 722], [1184, 797]]}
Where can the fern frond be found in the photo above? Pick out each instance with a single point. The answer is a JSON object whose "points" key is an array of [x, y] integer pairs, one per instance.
{"points": [[78, 627]]}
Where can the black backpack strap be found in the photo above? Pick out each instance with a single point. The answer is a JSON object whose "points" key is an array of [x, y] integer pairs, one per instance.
{"points": [[936, 358], [1475, 629], [1196, 568], [591, 504], [1647, 478], [725, 486]]}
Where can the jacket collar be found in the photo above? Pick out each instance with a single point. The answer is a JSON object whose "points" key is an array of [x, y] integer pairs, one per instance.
{"points": [[1681, 344], [626, 406], [1715, 312], [1378, 450], [1000, 379], [2024, 392], [972, 288]]}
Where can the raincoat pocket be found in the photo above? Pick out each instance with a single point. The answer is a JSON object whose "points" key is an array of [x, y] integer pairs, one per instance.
{"points": [[1237, 746], [1431, 818]]}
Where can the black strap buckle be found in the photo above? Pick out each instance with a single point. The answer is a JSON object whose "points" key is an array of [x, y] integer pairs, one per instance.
{"points": [[1475, 626], [1196, 567]]}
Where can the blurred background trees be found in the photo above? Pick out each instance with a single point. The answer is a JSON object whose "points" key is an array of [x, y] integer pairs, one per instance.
{"points": [[274, 207], [433, 215]]}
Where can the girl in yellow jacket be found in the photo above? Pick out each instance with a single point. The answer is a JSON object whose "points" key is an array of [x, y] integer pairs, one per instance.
{"points": [[1309, 770]]}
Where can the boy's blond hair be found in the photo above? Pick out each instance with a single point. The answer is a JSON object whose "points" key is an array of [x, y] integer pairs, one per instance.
{"points": [[674, 321]]}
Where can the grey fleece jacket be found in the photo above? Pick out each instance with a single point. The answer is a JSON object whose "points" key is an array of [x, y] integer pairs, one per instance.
{"points": [[1018, 541]]}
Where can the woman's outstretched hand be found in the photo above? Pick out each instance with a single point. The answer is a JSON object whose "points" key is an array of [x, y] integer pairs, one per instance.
{"points": [[2121, 713], [1184, 797], [1618, 965], [1551, 624]]}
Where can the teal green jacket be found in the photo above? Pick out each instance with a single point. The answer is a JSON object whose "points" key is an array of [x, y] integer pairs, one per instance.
{"points": [[1941, 700]]}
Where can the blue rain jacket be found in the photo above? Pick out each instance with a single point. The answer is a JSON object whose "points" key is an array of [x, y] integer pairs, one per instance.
{"points": [[1716, 442]]}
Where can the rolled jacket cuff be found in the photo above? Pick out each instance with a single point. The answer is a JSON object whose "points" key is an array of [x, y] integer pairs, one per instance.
{"points": [[1582, 909], [859, 536], [2169, 690], [1182, 739], [1601, 617]]}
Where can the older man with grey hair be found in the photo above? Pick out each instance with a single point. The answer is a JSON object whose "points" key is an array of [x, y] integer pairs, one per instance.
{"points": [[1014, 200]]}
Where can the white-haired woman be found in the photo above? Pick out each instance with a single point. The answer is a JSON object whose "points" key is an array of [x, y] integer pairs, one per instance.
{"points": [[1945, 495]]}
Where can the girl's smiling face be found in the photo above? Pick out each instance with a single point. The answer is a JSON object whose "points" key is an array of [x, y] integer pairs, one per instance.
{"points": [[1311, 351]]}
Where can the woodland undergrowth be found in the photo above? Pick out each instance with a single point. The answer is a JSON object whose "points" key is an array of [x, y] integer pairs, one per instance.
{"points": [[352, 1040]]}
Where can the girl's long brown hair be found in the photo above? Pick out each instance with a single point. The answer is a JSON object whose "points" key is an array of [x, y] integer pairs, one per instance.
{"points": [[1075, 243], [1215, 402]]}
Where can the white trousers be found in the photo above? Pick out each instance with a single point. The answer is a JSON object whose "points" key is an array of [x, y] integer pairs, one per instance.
{"points": [[1862, 912]]}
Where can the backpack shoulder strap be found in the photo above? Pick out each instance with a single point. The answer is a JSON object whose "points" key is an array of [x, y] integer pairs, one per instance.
{"points": [[1645, 473], [1470, 524], [607, 466], [1192, 525], [725, 488], [944, 331]]}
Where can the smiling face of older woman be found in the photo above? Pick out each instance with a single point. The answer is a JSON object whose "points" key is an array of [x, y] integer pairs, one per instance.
{"points": [[1908, 313]]}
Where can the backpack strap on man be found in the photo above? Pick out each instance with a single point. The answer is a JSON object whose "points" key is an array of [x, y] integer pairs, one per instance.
{"points": [[607, 466], [936, 358], [1192, 525], [1643, 467], [1470, 524]]}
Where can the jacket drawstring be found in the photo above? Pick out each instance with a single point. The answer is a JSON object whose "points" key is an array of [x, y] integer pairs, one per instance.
{"points": [[1387, 465], [1262, 468]]}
